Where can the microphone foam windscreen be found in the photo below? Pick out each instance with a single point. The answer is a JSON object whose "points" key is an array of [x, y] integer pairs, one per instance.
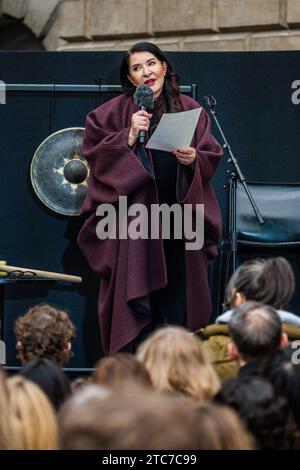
{"points": [[143, 96]]}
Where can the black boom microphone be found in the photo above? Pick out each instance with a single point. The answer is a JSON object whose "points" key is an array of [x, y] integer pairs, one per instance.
{"points": [[143, 96]]}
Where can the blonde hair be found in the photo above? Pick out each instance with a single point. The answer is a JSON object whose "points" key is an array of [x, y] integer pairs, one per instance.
{"points": [[32, 416], [177, 362], [7, 438]]}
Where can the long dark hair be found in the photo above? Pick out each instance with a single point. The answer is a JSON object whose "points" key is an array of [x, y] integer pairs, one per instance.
{"points": [[169, 101]]}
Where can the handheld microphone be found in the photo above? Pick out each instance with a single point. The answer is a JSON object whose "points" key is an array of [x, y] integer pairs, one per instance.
{"points": [[143, 96]]}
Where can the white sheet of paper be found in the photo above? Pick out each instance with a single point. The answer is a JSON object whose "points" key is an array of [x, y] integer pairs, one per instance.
{"points": [[174, 130]]}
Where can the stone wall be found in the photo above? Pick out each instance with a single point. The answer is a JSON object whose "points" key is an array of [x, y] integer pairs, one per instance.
{"points": [[40, 16], [176, 25]]}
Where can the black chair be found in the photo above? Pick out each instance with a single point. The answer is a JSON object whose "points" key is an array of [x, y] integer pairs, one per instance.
{"points": [[279, 204]]}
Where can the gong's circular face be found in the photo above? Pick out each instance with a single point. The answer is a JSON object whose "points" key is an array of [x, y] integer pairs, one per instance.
{"points": [[59, 172]]}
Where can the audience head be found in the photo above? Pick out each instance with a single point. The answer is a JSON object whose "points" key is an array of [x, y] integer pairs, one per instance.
{"points": [[221, 429], [50, 378], [32, 415], [270, 281], [284, 376], [119, 369], [266, 416], [9, 437], [137, 420], [44, 331], [177, 362], [255, 331]]}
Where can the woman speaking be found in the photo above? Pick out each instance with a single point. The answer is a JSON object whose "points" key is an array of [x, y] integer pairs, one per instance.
{"points": [[148, 282]]}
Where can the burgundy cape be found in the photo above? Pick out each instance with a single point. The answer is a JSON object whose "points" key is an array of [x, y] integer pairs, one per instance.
{"points": [[131, 269]]}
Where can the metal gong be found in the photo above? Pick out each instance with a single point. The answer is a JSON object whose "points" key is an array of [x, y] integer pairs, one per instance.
{"points": [[59, 171]]}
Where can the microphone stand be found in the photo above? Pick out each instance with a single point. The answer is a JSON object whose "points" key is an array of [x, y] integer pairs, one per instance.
{"points": [[233, 175]]}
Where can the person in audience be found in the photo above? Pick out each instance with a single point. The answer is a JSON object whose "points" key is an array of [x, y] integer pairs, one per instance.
{"points": [[177, 363], [221, 429], [9, 440], [32, 415], [50, 378], [136, 419], [44, 331], [267, 417], [283, 372], [255, 333], [270, 281], [114, 370]]}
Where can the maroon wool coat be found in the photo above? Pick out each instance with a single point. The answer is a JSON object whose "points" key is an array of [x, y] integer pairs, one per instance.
{"points": [[131, 269]]}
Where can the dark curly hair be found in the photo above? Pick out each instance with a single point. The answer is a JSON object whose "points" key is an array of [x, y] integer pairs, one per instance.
{"points": [[44, 331]]}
